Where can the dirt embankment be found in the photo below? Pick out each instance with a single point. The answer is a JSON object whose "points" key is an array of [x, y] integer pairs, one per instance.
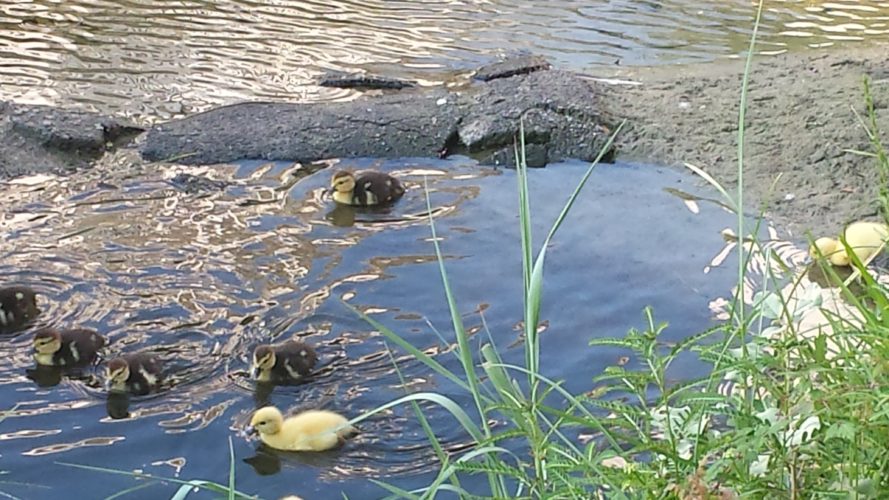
{"points": [[801, 124]]}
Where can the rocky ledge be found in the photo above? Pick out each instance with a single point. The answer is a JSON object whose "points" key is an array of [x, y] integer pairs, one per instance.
{"points": [[37, 138], [559, 110]]}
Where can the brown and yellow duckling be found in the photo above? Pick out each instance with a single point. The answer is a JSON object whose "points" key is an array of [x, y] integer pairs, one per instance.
{"points": [[18, 306], [138, 374], [313, 430], [283, 363], [366, 188], [864, 238], [67, 348]]}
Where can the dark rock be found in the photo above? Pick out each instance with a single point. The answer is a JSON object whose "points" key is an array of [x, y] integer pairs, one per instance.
{"points": [[393, 126], [535, 156], [362, 81], [36, 138], [560, 112], [520, 65]]}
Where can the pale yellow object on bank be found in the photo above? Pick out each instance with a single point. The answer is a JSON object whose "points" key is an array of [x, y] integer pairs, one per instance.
{"points": [[314, 430], [865, 239]]}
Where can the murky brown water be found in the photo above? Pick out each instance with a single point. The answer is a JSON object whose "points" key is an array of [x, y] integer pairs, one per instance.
{"points": [[152, 59]]}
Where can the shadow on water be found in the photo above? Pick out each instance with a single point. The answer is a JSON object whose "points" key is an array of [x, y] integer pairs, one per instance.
{"points": [[201, 279]]}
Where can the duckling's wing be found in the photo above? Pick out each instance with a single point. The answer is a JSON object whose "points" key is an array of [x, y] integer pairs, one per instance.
{"points": [[377, 187]]}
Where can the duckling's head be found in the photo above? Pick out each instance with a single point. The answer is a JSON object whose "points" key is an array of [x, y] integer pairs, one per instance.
{"points": [[117, 372], [343, 182], [47, 341], [267, 420], [825, 247], [263, 359]]}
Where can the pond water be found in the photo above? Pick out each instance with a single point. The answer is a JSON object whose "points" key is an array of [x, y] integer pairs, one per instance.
{"points": [[153, 59], [202, 278]]}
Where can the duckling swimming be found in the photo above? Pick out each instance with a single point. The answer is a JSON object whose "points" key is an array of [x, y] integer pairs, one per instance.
{"points": [[366, 189], [137, 374], [314, 430], [283, 363], [18, 306], [72, 347], [865, 239]]}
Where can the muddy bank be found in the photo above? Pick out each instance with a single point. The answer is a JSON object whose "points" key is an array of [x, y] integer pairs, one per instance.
{"points": [[801, 125]]}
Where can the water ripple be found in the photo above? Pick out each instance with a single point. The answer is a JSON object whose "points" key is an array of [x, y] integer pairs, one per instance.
{"points": [[153, 60]]}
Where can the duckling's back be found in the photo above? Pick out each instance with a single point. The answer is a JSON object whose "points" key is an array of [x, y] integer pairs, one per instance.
{"points": [[312, 430]]}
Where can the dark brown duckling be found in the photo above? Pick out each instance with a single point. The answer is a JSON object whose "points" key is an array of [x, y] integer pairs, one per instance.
{"points": [[67, 348], [365, 188], [283, 363], [18, 306], [138, 374]]}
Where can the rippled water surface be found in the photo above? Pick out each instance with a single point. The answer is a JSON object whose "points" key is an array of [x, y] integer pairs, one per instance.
{"points": [[152, 59], [202, 278]]}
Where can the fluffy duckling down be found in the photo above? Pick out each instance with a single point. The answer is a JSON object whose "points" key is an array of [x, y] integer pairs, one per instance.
{"points": [[138, 374], [18, 306], [864, 238], [365, 188], [283, 363], [73, 347], [313, 430]]}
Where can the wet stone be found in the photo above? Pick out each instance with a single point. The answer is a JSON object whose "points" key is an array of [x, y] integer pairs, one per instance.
{"points": [[362, 81], [519, 65], [36, 138]]}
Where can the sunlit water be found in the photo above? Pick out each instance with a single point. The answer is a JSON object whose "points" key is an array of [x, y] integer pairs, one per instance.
{"points": [[153, 59], [201, 279]]}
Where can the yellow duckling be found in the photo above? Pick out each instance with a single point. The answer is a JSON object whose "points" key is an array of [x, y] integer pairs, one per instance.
{"points": [[865, 239], [366, 188], [313, 430]]}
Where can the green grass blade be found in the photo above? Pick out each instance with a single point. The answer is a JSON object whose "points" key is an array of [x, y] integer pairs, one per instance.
{"points": [[210, 485], [443, 401], [231, 469], [130, 490], [407, 346], [583, 181], [398, 492]]}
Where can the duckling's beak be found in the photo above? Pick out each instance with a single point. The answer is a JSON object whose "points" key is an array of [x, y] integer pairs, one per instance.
{"points": [[254, 372], [251, 431]]}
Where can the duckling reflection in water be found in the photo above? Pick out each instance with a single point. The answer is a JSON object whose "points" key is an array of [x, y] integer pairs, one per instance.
{"points": [[313, 430], [365, 189], [137, 374], [117, 405], [67, 348], [18, 307], [283, 363]]}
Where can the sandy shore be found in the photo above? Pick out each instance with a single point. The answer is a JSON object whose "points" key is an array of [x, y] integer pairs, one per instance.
{"points": [[801, 124]]}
